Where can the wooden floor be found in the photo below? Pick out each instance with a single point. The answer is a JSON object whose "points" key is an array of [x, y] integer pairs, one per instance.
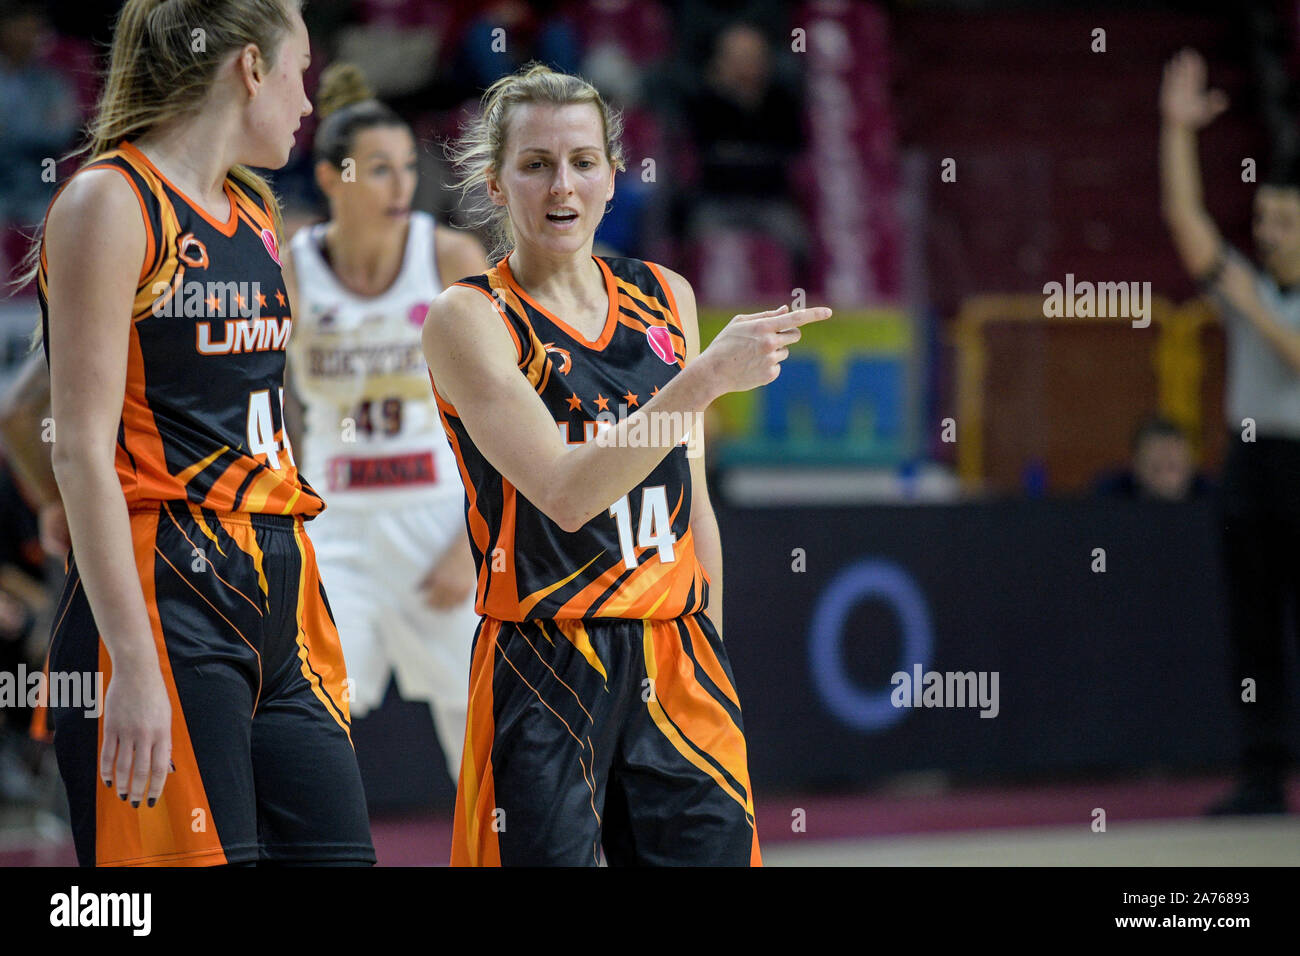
{"points": [[1151, 821], [1263, 841]]}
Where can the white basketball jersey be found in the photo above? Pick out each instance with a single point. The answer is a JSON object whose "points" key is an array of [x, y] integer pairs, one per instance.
{"points": [[373, 435]]}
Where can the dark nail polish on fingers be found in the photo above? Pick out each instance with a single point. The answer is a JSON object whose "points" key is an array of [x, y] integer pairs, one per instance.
{"points": [[135, 804], [152, 801], [123, 795]]}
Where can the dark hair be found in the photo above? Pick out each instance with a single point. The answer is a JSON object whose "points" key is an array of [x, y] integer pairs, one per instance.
{"points": [[346, 106], [1157, 426]]}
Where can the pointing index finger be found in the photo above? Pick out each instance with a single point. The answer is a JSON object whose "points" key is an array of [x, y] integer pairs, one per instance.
{"points": [[793, 320]]}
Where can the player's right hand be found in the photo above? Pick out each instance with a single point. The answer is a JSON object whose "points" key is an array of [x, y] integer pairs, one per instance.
{"points": [[748, 352], [137, 750], [1184, 100], [52, 525], [451, 580]]}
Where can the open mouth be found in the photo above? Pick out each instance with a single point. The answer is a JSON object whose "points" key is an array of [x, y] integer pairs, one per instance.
{"points": [[562, 216]]}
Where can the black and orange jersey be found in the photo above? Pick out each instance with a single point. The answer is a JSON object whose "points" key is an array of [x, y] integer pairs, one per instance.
{"points": [[203, 413], [636, 560]]}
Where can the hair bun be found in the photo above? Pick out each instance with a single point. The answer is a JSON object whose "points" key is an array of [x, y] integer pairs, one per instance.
{"points": [[341, 84]]}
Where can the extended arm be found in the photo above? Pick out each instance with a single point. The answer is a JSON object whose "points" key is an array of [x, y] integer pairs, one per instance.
{"points": [[473, 360], [1185, 107]]}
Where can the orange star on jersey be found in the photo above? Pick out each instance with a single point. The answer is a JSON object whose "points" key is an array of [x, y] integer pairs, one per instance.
{"points": [[279, 297], [574, 401], [655, 392], [212, 302], [261, 300], [631, 400], [602, 403]]}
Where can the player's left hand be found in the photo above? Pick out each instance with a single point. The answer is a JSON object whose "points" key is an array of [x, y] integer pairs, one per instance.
{"points": [[452, 579]]}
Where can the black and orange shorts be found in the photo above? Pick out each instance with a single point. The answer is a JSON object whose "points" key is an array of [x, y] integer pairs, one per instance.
{"points": [[614, 735], [263, 768]]}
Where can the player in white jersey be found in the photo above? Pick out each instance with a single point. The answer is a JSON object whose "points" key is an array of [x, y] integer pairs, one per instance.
{"points": [[391, 543]]}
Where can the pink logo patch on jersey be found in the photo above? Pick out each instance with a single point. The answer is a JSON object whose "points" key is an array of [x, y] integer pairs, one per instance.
{"points": [[272, 247], [661, 343], [417, 314]]}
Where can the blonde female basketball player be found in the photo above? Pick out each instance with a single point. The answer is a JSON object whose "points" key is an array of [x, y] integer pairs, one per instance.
{"points": [[392, 545], [602, 713], [192, 587]]}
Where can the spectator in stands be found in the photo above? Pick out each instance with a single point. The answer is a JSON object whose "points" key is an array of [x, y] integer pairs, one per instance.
{"points": [[38, 115], [1163, 466], [1260, 305], [746, 131], [610, 69], [528, 31], [698, 23]]}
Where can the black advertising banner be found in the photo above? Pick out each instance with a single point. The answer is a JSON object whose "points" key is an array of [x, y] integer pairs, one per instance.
{"points": [[978, 639]]}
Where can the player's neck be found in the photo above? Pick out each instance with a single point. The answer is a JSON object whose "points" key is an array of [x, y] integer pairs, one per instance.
{"points": [[185, 154], [367, 261], [571, 278]]}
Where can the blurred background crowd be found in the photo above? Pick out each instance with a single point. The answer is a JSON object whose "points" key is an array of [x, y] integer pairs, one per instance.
{"points": [[924, 167]]}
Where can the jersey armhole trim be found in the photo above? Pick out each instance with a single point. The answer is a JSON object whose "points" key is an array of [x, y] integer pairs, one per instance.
{"points": [[657, 271], [519, 348], [668, 294], [151, 244], [443, 405]]}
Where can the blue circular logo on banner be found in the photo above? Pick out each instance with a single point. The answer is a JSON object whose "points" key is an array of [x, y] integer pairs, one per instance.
{"points": [[862, 709]]}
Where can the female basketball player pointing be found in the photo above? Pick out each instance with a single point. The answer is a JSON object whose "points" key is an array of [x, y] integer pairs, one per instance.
{"points": [[603, 713], [192, 586]]}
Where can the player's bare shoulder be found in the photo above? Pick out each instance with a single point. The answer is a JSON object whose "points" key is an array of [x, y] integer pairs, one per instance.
{"points": [[98, 206], [465, 341], [457, 311]]}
